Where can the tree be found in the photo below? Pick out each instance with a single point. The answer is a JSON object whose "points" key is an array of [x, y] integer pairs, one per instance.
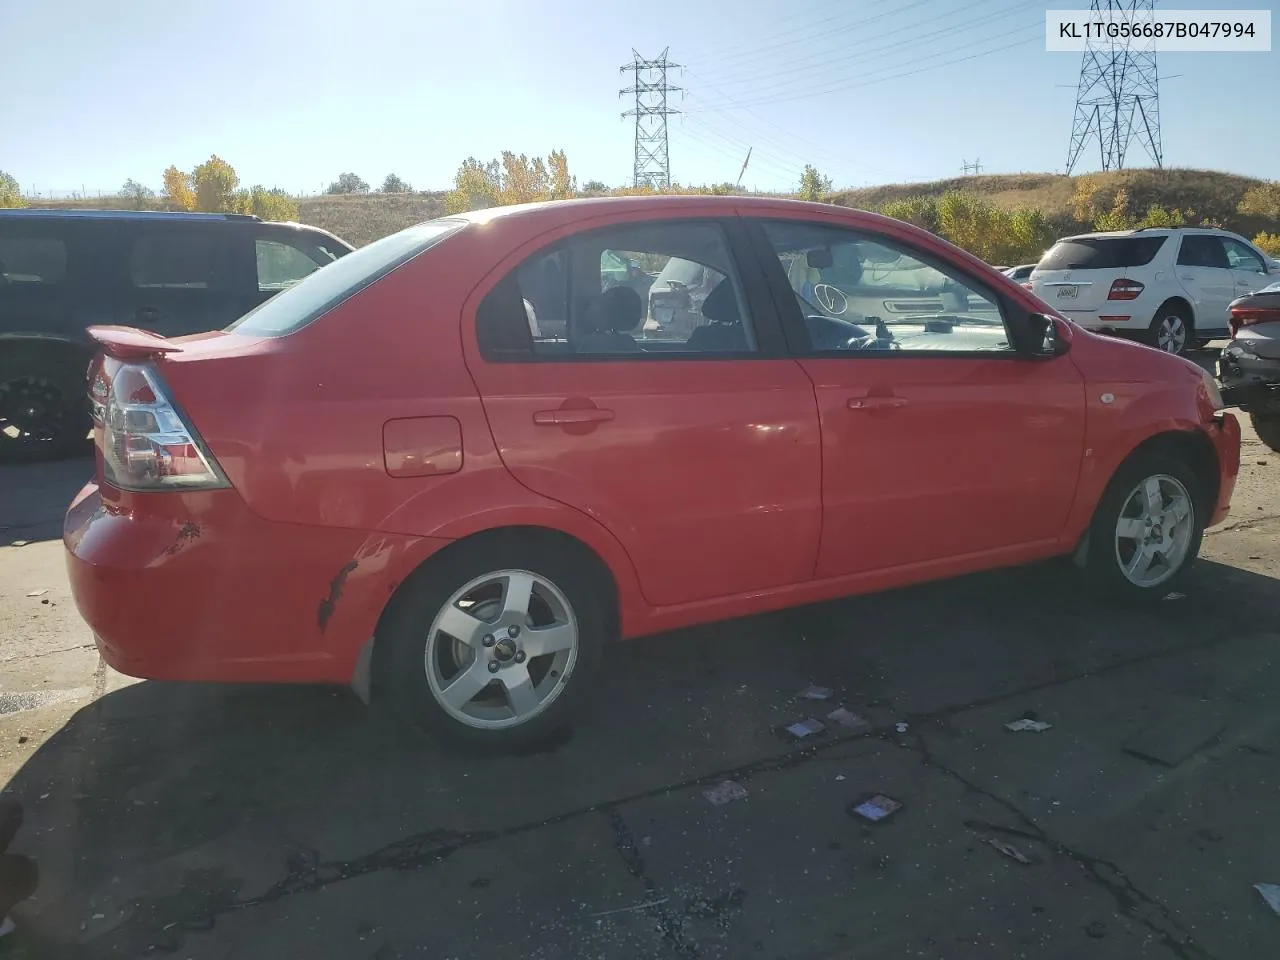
{"points": [[476, 186], [918, 211], [178, 194], [1268, 243], [215, 183], [524, 180], [273, 204], [1262, 200], [813, 185], [348, 183], [138, 193], [393, 184], [1117, 218], [595, 186], [563, 185], [1158, 216], [1082, 200], [10, 194]]}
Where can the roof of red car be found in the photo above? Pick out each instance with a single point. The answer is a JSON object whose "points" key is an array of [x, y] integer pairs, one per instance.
{"points": [[586, 206]]}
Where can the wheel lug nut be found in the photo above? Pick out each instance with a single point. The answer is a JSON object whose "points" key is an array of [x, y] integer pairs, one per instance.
{"points": [[488, 640], [493, 666], [513, 631], [519, 656]]}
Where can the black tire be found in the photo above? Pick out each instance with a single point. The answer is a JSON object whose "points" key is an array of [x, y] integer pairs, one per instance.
{"points": [[1103, 559], [1267, 426], [44, 406], [403, 636], [1173, 318]]}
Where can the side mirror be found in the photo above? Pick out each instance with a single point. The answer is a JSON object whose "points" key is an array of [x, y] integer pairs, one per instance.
{"points": [[1047, 337]]}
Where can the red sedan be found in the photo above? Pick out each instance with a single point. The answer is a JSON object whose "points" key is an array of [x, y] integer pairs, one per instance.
{"points": [[451, 466]]}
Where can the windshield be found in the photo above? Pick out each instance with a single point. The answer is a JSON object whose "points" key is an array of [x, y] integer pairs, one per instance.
{"points": [[320, 292]]}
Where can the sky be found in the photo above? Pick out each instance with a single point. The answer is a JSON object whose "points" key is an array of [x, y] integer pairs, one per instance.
{"points": [[293, 93]]}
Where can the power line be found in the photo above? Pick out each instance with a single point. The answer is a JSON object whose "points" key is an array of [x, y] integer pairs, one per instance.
{"points": [[1119, 90], [897, 76], [652, 156]]}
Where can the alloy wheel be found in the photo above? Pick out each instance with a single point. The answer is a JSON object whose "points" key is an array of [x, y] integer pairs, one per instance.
{"points": [[1154, 530], [1171, 334]]}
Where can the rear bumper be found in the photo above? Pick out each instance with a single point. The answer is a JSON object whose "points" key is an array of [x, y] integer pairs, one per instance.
{"points": [[196, 587], [1248, 380], [1224, 432]]}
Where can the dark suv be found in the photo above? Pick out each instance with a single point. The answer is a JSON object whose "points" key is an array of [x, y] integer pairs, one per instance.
{"points": [[172, 273]]}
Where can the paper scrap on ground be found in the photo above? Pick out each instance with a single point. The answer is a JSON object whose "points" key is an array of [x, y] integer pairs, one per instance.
{"points": [[805, 728], [1035, 726], [1175, 596], [877, 807], [37, 593], [725, 792], [814, 692], [847, 718], [1270, 893], [900, 727], [1012, 852]]}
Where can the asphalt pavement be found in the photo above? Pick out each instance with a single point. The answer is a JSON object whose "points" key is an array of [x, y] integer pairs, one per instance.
{"points": [[204, 821]]}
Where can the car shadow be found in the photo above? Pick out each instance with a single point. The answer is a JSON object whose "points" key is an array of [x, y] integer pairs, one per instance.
{"points": [[35, 496], [161, 808]]}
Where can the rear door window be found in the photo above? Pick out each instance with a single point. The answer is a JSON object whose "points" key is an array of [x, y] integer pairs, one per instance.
{"points": [[177, 260], [31, 259], [1101, 253]]}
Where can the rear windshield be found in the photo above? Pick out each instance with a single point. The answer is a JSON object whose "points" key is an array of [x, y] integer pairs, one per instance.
{"points": [[1101, 253], [320, 292]]}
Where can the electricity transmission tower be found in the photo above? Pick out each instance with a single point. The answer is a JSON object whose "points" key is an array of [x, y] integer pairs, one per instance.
{"points": [[653, 162], [1118, 96], [968, 168]]}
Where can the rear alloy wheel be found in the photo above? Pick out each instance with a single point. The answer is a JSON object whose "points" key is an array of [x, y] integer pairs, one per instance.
{"points": [[506, 653], [1171, 331], [1147, 529]]}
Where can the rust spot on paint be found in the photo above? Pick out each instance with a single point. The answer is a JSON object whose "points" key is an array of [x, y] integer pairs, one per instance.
{"points": [[186, 533], [330, 603]]}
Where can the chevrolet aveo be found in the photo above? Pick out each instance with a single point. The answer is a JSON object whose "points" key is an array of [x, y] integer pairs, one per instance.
{"points": [[450, 467]]}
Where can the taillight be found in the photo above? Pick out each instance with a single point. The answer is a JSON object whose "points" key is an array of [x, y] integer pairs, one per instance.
{"points": [[1249, 316], [146, 445], [1124, 290]]}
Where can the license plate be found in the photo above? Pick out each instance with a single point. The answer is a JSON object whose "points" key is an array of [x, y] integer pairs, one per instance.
{"points": [[1068, 293]]}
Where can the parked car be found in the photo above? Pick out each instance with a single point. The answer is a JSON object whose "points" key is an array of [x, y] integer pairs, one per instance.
{"points": [[1249, 367], [171, 273], [408, 491], [1021, 273], [1168, 287]]}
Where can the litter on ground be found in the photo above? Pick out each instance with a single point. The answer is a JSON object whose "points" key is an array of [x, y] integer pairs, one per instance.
{"points": [[1010, 851], [725, 792], [846, 718], [805, 728], [900, 727], [875, 808], [37, 593], [1035, 726], [1270, 893], [813, 692]]}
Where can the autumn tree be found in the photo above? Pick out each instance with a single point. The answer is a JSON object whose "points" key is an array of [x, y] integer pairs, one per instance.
{"points": [[1262, 200], [524, 180], [215, 183], [393, 184], [1268, 243], [273, 204], [813, 185], [1083, 199], [139, 194], [1118, 217], [348, 183], [178, 194], [476, 186], [10, 194], [563, 185], [595, 186]]}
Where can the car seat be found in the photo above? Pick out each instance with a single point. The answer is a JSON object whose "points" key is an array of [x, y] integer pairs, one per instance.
{"points": [[725, 333], [607, 320]]}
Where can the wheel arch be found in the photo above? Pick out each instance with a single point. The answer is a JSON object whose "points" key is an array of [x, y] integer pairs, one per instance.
{"points": [[1181, 303], [369, 664]]}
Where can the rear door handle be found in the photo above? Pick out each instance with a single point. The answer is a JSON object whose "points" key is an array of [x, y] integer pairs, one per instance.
{"points": [[877, 403], [560, 417]]}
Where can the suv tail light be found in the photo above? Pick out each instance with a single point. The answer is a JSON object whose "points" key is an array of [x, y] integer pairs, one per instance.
{"points": [[146, 443], [1249, 316], [1124, 290]]}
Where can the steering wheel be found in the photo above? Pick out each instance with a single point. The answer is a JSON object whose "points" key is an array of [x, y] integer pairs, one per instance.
{"points": [[830, 298]]}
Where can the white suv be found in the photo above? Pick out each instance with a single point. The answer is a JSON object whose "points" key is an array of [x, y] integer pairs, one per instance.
{"points": [[1169, 286]]}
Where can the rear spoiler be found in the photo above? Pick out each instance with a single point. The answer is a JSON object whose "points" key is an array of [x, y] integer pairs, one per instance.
{"points": [[130, 343]]}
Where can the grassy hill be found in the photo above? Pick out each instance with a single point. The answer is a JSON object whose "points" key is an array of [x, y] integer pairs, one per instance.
{"points": [[363, 218]]}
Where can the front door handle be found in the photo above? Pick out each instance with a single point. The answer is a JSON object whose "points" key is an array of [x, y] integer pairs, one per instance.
{"points": [[877, 403], [582, 415]]}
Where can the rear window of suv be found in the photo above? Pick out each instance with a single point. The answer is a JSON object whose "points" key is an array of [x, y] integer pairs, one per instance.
{"points": [[32, 259], [317, 294], [1101, 253]]}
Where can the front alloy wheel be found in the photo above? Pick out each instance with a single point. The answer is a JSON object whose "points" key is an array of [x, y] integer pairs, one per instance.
{"points": [[1154, 531], [1171, 334]]}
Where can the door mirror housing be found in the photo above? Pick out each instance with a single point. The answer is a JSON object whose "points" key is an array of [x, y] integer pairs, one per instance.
{"points": [[1046, 337]]}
